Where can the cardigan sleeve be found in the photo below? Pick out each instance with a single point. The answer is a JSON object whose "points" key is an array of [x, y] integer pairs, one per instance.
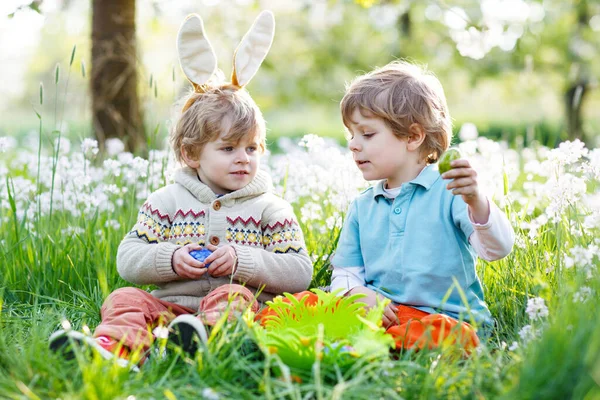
{"points": [[283, 263], [144, 255]]}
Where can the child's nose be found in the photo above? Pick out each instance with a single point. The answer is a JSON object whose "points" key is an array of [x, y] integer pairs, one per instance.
{"points": [[243, 157], [353, 145]]}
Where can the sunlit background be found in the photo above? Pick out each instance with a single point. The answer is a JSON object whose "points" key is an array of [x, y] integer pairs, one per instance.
{"points": [[505, 64]]}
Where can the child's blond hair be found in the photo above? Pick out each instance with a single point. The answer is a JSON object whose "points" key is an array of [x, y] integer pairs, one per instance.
{"points": [[202, 118], [402, 94]]}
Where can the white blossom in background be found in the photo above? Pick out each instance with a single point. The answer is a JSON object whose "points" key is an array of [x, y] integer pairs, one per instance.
{"points": [[567, 153], [113, 224], [468, 131], [210, 394], [114, 146], [582, 257], [528, 333], [502, 23], [385, 16], [112, 168], [63, 145], [7, 143], [563, 191], [536, 308], [89, 147], [582, 295]]}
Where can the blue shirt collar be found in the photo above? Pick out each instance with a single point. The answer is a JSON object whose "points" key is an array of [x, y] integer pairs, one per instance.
{"points": [[426, 179]]}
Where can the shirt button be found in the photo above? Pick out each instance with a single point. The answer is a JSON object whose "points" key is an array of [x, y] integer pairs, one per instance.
{"points": [[214, 240], [397, 210], [217, 205]]}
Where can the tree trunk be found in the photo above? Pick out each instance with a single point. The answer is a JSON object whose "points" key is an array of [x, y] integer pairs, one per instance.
{"points": [[578, 86], [115, 106], [574, 97]]}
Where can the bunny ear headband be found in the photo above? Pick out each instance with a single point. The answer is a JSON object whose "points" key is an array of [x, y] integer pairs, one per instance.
{"points": [[198, 60]]}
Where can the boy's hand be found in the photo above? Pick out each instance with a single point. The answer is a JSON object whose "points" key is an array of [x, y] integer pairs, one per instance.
{"points": [[389, 313], [185, 265], [223, 260], [464, 183]]}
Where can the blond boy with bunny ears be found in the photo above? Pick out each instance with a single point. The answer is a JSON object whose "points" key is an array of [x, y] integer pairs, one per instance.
{"points": [[220, 200]]}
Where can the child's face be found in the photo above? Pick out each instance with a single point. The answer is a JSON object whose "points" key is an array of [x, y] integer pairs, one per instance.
{"points": [[226, 167], [378, 153]]}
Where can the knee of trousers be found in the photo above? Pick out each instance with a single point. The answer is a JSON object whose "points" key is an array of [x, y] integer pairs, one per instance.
{"points": [[125, 296]]}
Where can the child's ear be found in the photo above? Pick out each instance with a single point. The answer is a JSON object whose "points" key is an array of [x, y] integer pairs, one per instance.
{"points": [[188, 159], [416, 137]]}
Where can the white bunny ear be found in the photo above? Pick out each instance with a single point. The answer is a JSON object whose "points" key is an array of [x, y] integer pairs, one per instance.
{"points": [[253, 48], [196, 55]]}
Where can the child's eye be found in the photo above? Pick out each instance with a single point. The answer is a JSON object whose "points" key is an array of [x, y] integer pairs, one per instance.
{"points": [[228, 148], [368, 134], [252, 149]]}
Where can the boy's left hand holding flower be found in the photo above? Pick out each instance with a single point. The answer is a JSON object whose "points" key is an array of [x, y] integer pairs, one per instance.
{"points": [[223, 260], [464, 183]]}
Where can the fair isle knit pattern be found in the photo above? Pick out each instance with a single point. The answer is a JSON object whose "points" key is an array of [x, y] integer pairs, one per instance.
{"points": [[262, 228]]}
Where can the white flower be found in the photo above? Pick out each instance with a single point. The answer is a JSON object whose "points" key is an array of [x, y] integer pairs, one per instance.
{"points": [[210, 394], [528, 333], [513, 346], [89, 147], [582, 295], [468, 131], [114, 146], [113, 224], [161, 332], [63, 145], [536, 308], [311, 140], [7, 143], [112, 168], [567, 153]]}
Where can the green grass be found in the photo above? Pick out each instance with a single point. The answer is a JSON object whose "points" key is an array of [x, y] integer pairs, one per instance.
{"points": [[58, 266], [48, 276]]}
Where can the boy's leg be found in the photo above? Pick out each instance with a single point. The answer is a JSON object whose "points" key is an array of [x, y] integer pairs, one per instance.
{"points": [[236, 297], [188, 332], [418, 329], [129, 314]]}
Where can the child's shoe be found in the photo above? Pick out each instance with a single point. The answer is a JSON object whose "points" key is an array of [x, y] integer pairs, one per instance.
{"points": [[187, 332], [65, 342]]}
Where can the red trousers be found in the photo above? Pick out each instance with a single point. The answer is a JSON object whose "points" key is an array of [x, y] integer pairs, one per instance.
{"points": [[129, 314], [419, 329], [415, 328]]}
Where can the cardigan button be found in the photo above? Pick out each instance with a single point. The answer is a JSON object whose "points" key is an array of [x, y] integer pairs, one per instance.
{"points": [[214, 240], [217, 205]]}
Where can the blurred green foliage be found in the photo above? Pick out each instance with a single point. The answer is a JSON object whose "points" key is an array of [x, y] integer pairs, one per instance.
{"points": [[320, 46]]}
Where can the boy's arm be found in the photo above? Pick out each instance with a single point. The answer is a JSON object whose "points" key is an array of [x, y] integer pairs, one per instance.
{"points": [[493, 239], [348, 271], [283, 264], [480, 216], [347, 279], [144, 255]]}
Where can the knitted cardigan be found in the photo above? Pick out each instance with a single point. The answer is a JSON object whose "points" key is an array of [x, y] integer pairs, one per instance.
{"points": [[262, 227]]}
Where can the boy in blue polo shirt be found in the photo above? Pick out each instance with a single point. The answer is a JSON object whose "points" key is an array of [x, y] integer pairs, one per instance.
{"points": [[414, 236]]}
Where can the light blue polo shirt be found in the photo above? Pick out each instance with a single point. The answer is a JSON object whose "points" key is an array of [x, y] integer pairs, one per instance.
{"points": [[413, 246]]}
